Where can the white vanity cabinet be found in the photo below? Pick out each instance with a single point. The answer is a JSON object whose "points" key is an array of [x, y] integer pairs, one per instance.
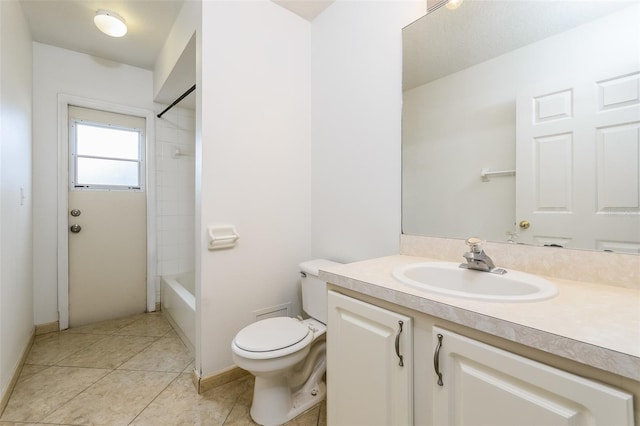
{"points": [[485, 380], [369, 364], [484, 385]]}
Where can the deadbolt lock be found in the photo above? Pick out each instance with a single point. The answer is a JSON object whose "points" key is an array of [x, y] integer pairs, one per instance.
{"points": [[75, 212]]}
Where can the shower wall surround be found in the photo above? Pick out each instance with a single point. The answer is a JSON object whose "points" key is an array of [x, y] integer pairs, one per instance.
{"points": [[175, 193]]}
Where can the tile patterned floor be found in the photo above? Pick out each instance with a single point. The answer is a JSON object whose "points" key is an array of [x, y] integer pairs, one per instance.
{"points": [[130, 371]]}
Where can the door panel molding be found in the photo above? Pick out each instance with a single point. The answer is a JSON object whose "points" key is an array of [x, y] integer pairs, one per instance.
{"points": [[64, 101]]}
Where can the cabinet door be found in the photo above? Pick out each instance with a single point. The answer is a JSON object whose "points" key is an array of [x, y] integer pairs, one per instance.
{"points": [[366, 385], [483, 385]]}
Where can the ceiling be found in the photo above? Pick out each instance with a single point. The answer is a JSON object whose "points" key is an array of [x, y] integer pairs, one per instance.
{"points": [[446, 41], [149, 23], [308, 9]]}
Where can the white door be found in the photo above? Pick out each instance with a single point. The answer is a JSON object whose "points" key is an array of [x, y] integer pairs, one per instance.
{"points": [[107, 216], [367, 382], [578, 163], [483, 385]]}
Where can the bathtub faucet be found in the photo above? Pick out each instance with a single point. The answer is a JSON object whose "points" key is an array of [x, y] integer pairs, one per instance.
{"points": [[478, 260]]}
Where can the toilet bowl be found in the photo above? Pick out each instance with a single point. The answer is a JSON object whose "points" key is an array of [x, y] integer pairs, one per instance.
{"points": [[286, 355]]}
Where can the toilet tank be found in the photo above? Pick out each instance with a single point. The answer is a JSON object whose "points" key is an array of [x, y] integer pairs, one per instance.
{"points": [[314, 290]]}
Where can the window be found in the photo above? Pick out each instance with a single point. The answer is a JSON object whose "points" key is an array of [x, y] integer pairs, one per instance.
{"points": [[105, 156]]}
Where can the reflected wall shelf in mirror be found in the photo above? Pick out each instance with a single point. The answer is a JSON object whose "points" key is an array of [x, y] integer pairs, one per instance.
{"points": [[549, 89]]}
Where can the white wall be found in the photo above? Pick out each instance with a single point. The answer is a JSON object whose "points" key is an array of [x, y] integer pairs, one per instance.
{"points": [[55, 71], [260, 172], [16, 277], [356, 67], [177, 39], [254, 148], [443, 194]]}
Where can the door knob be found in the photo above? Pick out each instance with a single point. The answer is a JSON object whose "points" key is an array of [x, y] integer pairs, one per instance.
{"points": [[524, 224], [75, 228]]}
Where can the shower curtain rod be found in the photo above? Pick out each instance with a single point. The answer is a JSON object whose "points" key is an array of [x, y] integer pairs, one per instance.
{"points": [[184, 95]]}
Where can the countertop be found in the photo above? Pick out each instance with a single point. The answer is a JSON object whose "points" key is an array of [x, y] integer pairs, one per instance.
{"points": [[597, 325]]}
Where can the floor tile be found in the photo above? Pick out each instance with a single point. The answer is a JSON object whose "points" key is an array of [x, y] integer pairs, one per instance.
{"points": [[37, 396], [322, 419], [114, 400], [240, 415], [51, 348], [308, 418], [148, 325], [189, 368], [130, 369], [105, 327], [110, 352], [179, 404], [165, 354], [29, 370]]}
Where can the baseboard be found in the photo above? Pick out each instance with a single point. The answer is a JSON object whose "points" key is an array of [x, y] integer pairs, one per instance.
{"points": [[204, 384], [16, 373], [49, 327]]}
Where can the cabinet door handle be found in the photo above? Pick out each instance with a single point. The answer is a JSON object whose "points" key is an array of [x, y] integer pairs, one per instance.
{"points": [[401, 362], [436, 360]]}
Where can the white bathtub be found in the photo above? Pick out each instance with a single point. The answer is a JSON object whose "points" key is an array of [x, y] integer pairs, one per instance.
{"points": [[179, 305]]}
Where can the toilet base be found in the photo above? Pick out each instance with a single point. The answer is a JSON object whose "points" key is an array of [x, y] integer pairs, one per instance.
{"points": [[274, 405]]}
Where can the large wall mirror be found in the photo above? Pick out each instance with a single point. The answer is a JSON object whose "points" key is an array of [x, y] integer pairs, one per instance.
{"points": [[521, 123]]}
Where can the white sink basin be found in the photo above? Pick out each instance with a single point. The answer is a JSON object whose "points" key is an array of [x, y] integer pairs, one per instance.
{"points": [[449, 279]]}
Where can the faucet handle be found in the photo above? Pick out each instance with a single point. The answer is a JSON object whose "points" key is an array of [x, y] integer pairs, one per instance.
{"points": [[474, 244]]}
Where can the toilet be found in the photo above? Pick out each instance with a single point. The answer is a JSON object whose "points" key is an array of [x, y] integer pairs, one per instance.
{"points": [[286, 355]]}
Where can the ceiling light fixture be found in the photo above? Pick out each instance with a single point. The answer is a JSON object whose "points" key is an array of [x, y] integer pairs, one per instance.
{"points": [[453, 4], [110, 23]]}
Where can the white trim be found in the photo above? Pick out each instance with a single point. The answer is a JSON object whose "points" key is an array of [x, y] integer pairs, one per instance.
{"points": [[63, 198]]}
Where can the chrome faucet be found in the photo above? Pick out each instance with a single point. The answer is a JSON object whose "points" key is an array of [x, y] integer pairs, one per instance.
{"points": [[478, 260]]}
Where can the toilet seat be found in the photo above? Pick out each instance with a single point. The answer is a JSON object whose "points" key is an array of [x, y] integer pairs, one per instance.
{"points": [[272, 338]]}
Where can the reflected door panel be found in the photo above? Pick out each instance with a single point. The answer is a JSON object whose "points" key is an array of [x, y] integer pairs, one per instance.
{"points": [[578, 162]]}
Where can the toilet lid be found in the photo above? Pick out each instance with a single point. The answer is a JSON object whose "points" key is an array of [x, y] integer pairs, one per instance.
{"points": [[271, 334]]}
